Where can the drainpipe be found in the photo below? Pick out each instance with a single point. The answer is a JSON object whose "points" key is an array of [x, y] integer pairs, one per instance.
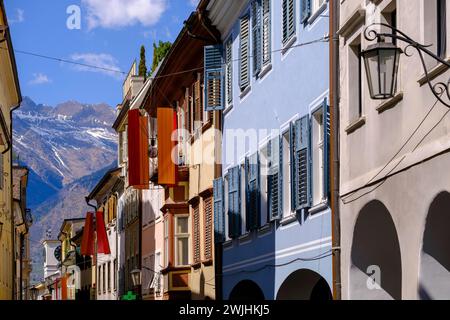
{"points": [[95, 246], [13, 233], [334, 147]]}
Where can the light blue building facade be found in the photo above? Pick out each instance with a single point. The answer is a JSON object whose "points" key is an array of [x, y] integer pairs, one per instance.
{"points": [[272, 215]]}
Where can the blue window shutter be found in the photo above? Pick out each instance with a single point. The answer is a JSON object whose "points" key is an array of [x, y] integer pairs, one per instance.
{"points": [[214, 78], [257, 36], [302, 166], [234, 202], [326, 149], [219, 218], [253, 200], [244, 53], [280, 176], [294, 177], [229, 69], [273, 178], [305, 10], [291, 18], [266, 32]]}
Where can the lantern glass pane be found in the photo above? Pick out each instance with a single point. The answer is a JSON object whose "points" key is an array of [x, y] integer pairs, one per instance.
{"points": [[387, 68], [371, 62]]}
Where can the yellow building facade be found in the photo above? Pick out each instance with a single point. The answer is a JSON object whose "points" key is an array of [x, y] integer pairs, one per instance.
{"points": [[10, 98]]}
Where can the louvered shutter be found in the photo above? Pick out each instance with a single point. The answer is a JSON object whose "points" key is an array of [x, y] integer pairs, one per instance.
{"points": [[293, 175], [257, 36], [207, 203], [305, 10], [229, 69], [326, 149], [219, 218], [234, 202], [288, 19], [196, 231], [244, 53], [273, 178], [301, 166], [253, 196], [214, 99], [266, 33]]}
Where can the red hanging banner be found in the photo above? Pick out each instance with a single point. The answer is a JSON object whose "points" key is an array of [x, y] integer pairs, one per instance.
{"points": [[102, 238], [138, 148], [87, 242]]}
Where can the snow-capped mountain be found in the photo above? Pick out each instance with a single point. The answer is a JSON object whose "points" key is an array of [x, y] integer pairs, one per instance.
{"points": [[63, 143], [68, 148]]}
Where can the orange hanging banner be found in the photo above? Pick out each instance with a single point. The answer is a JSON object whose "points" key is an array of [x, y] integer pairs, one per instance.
{"points": [[102, 238], [167, 168], [87, 242]]}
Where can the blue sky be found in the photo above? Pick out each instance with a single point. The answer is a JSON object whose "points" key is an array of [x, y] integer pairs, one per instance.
{"points": [[111, 34]]}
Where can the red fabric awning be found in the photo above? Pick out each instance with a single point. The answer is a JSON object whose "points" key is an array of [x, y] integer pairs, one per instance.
{"points": [[102, 238], [87, 242]]}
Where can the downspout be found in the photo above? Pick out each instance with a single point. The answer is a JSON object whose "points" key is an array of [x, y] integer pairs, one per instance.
{"points": [[96, 249], [334, 148], [13, 233]]}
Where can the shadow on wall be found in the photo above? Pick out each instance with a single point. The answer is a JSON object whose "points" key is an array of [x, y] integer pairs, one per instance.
{"points": [[375, 247], [435, 258], [304, 284], [247, 290]]}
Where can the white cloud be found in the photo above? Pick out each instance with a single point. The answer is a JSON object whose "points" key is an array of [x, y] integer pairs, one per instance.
{"points": [[103, 63], [19, 17], [122, 13], [39, 78]]}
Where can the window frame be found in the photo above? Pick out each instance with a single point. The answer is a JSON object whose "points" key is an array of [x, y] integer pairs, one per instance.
{"points": [[177, 236]]}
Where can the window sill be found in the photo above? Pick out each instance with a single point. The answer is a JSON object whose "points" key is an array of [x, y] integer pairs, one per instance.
{"points": [[319, 207], [289, 219], [266, 229], [389, 104], [318, 12], [227, 244], [358, 123], [288, 44], [436, 71], [228, 109], [245, 92], [245, 238], [265, 70]]}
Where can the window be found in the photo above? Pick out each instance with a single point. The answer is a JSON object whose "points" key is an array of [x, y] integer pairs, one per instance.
{"points": [[181, 241], [316, 4], [244, 53], [274, 179], [355, 79], [234, 202], [109, 276], [208, 228], [196, 233], [435, 33], [166, 241], [125, 144], [157, 268], [229, 69], [253, 199], [317, 156], [115, 275], [104, 278], [389, 16], [100, 280], [286, 172], [257, 35], [288, 20]]}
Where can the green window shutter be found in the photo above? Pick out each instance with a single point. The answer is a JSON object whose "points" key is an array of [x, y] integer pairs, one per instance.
{"points": [[273, 178], [305, 10], [326, 149], [234, 202], [257, 36], [301, 166], [214, 99], [219, 218], [229, 69], [253, 196], [266, 33], [244, 53]]}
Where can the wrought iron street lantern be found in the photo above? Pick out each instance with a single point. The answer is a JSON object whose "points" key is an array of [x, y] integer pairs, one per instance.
{"points": [[382, 62], [136, 277], [34, 293]]}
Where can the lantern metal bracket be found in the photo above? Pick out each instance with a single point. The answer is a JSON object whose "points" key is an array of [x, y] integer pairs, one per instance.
{"points": [[440, 89]]}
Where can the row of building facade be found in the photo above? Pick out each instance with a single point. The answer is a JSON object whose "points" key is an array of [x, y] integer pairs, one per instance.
{"points": [[254, 163]]}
